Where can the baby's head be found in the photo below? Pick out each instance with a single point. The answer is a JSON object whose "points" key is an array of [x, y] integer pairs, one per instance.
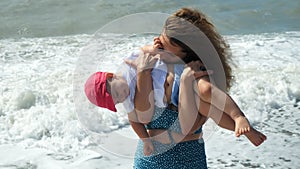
{"points": [[105, 89]]}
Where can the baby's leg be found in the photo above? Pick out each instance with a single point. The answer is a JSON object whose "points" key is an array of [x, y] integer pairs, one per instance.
{"points": [[225, 121], [207, 110], [222, 101], [189, 107]]}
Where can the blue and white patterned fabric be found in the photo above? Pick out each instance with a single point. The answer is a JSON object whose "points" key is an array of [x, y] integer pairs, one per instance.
{"points": [[183, 155]]}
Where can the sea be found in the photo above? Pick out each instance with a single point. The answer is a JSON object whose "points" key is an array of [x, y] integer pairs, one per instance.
{"points": [[49, 47]]}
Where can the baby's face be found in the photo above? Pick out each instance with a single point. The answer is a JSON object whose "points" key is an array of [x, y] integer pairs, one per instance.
{"points": [[119, 89]]}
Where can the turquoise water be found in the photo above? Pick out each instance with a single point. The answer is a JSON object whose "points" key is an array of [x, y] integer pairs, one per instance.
{"points": [[47, 18]]}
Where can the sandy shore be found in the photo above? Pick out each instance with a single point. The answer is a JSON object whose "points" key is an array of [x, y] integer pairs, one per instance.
{"points": [[117, 149]]}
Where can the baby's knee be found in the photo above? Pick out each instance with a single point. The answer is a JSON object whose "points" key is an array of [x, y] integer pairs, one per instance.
{"points": [[205, 89]]}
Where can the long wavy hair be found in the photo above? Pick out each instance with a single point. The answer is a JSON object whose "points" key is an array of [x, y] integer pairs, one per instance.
{"points": [[201, 21]]}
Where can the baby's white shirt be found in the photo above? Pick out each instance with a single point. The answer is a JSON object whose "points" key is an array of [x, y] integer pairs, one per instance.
{"points": [[158, 75]]}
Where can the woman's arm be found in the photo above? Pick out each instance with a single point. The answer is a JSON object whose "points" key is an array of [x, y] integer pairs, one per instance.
{"points": [[142, 133], [187, 107], [139, 128], [144, 97]]}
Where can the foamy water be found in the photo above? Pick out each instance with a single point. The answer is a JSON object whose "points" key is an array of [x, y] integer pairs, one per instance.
{"points": [[37, 108]]}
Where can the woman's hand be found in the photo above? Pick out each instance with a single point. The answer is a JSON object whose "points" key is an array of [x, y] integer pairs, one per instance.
{"points": [[148, 147], [148, 56], [144, 62]]}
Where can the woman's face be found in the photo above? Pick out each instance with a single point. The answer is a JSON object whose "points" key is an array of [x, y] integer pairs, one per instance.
{"points": [[174, 53]]}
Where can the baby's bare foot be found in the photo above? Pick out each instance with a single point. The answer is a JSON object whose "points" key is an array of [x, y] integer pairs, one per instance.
{"points": [[255, 137], [242, 126]]}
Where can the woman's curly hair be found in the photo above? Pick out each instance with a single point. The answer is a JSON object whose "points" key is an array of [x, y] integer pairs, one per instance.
{"points": [[202, 22]]}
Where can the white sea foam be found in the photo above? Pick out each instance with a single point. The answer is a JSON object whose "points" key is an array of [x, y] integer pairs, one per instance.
{"points": [[37, 103]]}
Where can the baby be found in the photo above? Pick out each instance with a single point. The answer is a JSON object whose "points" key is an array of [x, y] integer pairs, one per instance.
{"points": [[106, 89]]}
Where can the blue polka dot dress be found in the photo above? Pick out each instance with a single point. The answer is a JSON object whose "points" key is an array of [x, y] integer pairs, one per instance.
{"points": [[183, 155]]}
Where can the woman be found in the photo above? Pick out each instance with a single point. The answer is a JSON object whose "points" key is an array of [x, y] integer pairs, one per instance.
{"points": [[172, 148]]}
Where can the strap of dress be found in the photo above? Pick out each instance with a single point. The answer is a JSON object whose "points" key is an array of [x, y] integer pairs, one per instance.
{"points": [[170, 137]]}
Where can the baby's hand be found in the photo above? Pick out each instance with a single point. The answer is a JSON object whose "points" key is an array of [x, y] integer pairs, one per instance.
{"points": [[148, 147], [198, 69], [196, 66], [187, 75]]}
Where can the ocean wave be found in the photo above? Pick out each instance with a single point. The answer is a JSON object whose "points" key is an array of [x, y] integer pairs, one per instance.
{"points": [[37, 78]]}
